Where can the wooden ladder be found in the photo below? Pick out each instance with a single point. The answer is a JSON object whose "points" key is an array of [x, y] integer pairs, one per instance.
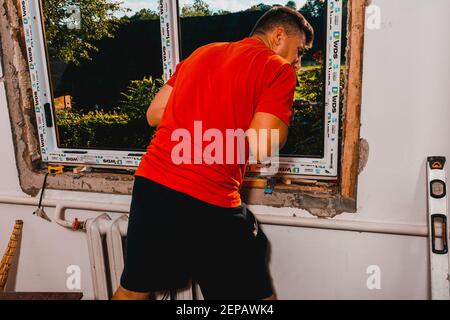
{"points": [[8, 256]]}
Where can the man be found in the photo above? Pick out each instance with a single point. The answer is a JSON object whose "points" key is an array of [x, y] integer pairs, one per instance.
{"points": [[186, 219]]}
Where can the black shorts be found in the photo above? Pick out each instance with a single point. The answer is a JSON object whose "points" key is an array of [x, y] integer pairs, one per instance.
{"points": [[174, 238]]}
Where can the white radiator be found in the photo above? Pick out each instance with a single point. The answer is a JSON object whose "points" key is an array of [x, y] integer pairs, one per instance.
{"points": [[106, 240]]}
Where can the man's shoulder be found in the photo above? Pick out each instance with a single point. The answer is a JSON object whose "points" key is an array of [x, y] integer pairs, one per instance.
{"points": [[276, 66], [214, 46], [264, 54]]}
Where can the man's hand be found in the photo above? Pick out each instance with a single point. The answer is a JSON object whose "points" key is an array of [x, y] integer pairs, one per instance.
{"points": [[261, 145], [158, 105]]}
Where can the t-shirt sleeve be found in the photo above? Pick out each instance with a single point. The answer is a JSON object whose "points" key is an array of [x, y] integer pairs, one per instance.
{"points": [[173, 78], [278, 96]]}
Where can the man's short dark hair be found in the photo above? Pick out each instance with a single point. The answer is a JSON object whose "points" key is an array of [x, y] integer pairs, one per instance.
{"points": [[292, 21]]}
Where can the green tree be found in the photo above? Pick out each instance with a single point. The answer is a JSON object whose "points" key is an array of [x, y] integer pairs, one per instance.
{"points": [[222, 12], [260, 7], [313, 8], [138, 97], [145, 14], [291, 4], [198, 9], [98, 21]]}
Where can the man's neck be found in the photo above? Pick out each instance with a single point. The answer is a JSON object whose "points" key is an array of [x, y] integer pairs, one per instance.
{"points": [[263, 39]]}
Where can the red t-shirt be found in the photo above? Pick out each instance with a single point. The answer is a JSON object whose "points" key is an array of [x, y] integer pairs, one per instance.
{"points": [[222, 85]]}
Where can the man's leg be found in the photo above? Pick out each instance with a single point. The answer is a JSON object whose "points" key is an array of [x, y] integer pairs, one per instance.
{"points": [[232, 261], [124, 294], [156, 255]]}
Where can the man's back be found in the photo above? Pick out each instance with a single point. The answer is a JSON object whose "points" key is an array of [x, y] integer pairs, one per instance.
{"points": [[219, 87], [186, 213]]}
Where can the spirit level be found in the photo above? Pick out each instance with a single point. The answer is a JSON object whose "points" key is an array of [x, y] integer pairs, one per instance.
{"points": [[438, 227]]}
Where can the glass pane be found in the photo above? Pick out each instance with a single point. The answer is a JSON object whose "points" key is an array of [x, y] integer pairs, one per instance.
{"points": [[203, 21], [105, 64], [440, 233], [438, 189]]}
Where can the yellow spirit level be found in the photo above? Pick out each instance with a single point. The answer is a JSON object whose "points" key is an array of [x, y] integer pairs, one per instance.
{"points": [[55, 169]]}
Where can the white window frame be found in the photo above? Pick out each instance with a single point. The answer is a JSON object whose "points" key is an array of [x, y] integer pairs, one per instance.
{"points": [[32, 13]]}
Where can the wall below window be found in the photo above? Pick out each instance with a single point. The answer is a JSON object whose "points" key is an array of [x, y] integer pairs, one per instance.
{"points": [[405, 115]]}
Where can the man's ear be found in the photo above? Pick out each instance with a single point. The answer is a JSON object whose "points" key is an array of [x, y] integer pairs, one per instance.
{"points": [[278, 35]]}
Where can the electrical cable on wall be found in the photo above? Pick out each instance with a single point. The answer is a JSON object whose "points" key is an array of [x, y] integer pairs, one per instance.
{"points": [[40, 210]]}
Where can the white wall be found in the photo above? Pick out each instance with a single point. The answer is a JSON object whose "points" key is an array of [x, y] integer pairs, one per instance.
{"points": [[405, 114]]}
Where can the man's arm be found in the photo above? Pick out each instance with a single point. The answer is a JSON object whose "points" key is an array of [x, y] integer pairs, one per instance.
{"points": [[158, 105], [261, 145], [273, 111]]}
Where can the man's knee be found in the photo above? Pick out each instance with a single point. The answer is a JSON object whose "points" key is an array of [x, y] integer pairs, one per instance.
{"points": [[124, 294]]}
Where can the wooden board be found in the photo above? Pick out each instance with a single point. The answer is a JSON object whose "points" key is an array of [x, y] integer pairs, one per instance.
{"points": [[352, 105], [41, 296]]}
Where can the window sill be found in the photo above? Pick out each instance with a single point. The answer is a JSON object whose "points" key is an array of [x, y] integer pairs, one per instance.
{"points": [[104, 182], [321, 199]]}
